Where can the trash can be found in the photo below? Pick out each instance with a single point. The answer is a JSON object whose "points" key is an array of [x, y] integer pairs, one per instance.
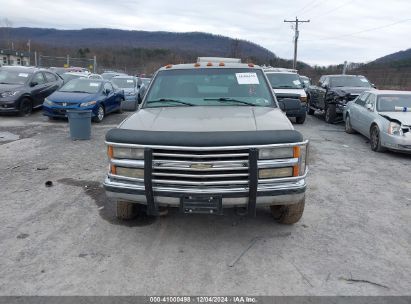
{"points": [[80, 124]]}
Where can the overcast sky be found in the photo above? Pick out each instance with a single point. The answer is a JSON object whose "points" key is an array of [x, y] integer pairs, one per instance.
{"points": [[353, 30]]}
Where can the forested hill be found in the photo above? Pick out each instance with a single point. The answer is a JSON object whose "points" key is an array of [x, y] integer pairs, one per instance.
{"points": [[401, 57], [196, 42]]}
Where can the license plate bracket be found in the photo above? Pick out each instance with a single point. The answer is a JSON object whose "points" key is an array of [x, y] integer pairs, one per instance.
{"points": [[202, 204]]}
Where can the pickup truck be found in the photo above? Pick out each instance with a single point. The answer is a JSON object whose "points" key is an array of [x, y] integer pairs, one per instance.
{"points": [[208, 136], [287, 84], [333, 92]]}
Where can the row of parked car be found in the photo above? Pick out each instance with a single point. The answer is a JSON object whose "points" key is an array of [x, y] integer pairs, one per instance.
{"points": [[383, 116], [57, 90]]}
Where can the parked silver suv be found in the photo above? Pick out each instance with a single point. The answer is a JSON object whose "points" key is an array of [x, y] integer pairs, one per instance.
{"points": [[208, 136]]}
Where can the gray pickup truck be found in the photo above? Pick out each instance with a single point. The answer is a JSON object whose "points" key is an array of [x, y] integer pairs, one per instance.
{"points": [[208, 136]]}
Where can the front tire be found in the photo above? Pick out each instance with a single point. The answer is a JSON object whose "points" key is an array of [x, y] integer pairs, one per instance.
{"points": [[375, 139], [330, 113], [300, 120], [288, 214], [100, 114], [26, 107], [127, 210], [310, 110], [348, 127]]}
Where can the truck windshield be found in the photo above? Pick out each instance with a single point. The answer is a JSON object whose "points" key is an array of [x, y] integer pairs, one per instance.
{"points": [[284, 81], [210, 87], [392, 103], [349, 81]]}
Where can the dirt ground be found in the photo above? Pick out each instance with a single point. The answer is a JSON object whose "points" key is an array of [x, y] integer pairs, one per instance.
{"points": [[354, 237]]}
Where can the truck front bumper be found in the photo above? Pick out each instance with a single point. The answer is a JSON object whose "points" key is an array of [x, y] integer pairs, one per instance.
{"points": [[267, 194]]}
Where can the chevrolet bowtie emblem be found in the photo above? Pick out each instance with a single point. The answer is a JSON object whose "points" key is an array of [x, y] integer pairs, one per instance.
{"points": [[64, 104], [201, 166]]}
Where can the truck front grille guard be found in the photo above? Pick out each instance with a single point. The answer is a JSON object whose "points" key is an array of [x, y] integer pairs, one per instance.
{"points": [[152, 207]]}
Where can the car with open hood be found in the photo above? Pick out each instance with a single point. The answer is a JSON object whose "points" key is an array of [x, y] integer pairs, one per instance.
{"points": [[96, 95], [23, 89], [208, 135], [382, 116]]}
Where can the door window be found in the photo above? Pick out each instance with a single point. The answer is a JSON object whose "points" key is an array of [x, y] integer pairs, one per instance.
{"points": [[50, 77], [108, 86], [38, 77], [371, 100], [361, 99]]}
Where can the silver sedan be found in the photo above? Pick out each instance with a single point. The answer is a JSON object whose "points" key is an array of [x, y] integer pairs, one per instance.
{"points": [[382, 116]]}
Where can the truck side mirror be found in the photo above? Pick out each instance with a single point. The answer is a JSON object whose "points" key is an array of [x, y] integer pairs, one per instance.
{"points": [[368, 107]]}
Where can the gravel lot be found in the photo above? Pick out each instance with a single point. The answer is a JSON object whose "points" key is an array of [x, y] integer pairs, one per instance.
{"points": [[65, 240]]}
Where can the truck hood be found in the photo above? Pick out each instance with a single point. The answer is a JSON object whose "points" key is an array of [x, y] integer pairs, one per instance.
{"points": [[208, 119], [403, 117]]}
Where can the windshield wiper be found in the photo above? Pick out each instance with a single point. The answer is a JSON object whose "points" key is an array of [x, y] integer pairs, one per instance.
{"points": [[170, 100], [6, 83], [227, 99], [285, 87], [76, 92]]}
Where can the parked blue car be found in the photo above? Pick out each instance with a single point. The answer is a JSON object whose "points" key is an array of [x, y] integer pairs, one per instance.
{"points": [[84, 94]]}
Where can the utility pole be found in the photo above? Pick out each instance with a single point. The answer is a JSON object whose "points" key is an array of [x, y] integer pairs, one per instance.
{"points": [[296, 34]]}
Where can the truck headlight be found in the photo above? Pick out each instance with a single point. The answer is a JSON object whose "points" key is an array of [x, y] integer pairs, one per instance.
{"points": [[274, 153], [275, 172], [122, 152], [130, 172], [394, 128], [87, 104]]}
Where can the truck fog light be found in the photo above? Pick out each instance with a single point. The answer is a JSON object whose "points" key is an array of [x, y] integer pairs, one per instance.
{"points": [[273, 153], [275, 172], [130, 153], [130, 172]]}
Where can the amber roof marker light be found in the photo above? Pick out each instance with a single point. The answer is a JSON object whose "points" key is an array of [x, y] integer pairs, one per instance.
{"points": [[221, 64], [196, 65], [168, 66]]}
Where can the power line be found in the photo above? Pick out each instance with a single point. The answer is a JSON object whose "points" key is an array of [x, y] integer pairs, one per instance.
{"points": [[296, 34], [363, 31], [307, 5], [333, 9]]}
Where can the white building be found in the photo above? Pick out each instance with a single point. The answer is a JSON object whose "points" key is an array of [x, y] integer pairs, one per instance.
{"points": [[12, 57]]}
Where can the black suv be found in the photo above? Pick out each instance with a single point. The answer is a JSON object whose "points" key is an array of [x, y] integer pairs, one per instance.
{"points": [[333, 92], [24, 88]]}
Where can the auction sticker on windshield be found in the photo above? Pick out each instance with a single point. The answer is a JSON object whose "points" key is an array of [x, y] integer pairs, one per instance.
{"points": [[129, 81], [247, 78], [23, 75], [94, 84]]}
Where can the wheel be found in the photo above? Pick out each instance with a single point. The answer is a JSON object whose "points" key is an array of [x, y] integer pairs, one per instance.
{"points": [[330, 113], [288, 214], [126, 210], [26, 107], [100, 114], [348, 127], [300, 120], [310, 110], [375, 139]]}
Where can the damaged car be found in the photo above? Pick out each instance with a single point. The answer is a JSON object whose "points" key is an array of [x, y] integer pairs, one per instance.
{"points": [[332, 93], [382, 116]]}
